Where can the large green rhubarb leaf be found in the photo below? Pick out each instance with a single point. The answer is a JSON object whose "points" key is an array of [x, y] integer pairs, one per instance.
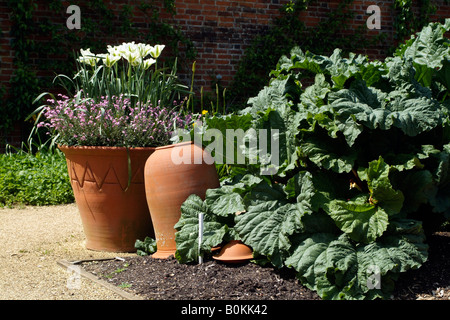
{"points": [[186, 237], [270, 97], [381, 191], [365, 217], [227, 200], [339, 69], [315, 95], [414, 116], [375, 110], [338, 269], [224, 201], [440, 199], [301, 188], [428, 51], [221, 136], [363, 222], [269, 221], [328, 154], [266, 227]]}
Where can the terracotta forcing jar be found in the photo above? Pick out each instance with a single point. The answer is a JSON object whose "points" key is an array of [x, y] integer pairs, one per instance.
{"points": [[173, 173], [109, 190]]}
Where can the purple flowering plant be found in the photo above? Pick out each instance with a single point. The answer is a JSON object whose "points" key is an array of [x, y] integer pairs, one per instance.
{"points": [[113, 121]]}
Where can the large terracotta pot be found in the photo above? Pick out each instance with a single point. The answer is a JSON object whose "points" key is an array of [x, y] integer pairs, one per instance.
{"points": [[172, 174], [110, 197]]}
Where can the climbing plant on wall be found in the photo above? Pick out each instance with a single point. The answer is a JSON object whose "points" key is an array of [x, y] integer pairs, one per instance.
{"points": [[24, 84], [406, 21]]}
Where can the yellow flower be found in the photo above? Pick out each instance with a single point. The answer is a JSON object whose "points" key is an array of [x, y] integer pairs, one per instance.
{"points": [[204, 112]]}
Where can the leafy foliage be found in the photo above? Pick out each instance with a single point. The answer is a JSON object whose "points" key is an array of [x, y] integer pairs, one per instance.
{"points": [[34, 179], [362, 175], [145, 247]]}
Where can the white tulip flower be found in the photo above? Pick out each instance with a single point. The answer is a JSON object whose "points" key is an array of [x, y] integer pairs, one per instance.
{"points": [[156, 50], [87, 57], [131, 56], [136, 61], [114, 51], [144, 49], [148, 63], [108, 59], [129, 47], [133, 53], [86, 53]]}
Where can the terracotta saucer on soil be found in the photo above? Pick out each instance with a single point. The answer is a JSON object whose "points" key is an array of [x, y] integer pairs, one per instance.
{"points": [[234, 252]]}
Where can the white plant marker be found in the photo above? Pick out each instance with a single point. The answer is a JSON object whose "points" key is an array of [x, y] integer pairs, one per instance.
{"points": [[200, 236]]}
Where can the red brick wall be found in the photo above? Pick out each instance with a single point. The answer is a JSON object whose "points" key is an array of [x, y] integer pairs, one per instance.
{"points": [[220, 30]]}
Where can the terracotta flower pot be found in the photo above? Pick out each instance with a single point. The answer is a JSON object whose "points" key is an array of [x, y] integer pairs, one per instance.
{"points": [[172, 174], [234, 252], [113, 209]]}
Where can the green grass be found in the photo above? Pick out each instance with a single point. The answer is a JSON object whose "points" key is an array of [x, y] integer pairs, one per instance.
{"points": [[34, 179]]}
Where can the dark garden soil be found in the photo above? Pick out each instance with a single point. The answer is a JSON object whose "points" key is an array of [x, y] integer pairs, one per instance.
{"points": [[157, 279]]}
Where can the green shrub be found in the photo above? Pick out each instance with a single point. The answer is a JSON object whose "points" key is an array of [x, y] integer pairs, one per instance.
{"points": [[34, 179]]}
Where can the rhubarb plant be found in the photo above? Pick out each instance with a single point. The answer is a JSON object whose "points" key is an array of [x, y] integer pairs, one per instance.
{"points": [[363, 172]]}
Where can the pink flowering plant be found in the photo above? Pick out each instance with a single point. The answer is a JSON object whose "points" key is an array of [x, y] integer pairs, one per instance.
{"points": [[113, 121], [121, 98]]}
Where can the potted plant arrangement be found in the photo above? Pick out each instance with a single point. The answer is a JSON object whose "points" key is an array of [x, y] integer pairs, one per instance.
{"points": [[122, 108]]}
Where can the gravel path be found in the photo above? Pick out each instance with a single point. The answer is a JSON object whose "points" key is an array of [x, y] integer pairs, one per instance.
{"points": [[32, 241]]}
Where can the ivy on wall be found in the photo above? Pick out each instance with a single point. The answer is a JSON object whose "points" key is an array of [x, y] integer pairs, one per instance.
{"points": [[24, 84], [406, 21], [2, 88]]}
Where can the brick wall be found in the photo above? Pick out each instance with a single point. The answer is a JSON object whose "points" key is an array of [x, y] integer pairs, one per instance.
{"points": [[220, 30]]}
